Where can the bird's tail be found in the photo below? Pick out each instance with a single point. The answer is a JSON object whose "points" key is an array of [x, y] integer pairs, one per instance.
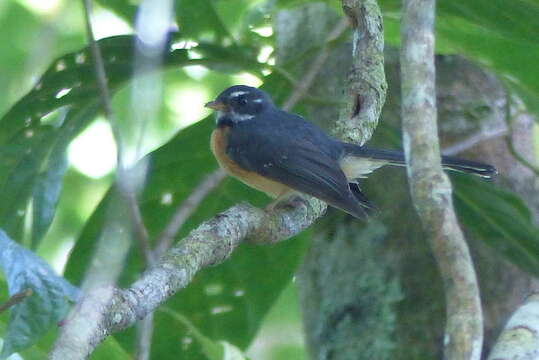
{"points": [[396, 157]]}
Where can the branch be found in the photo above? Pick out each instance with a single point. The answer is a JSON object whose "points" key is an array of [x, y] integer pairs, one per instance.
{"points": [[125, 185], [474, 139], [186, 209], [307, 80], [367, 82], [15, 299], [430, 187], [208, 245], [145, 329], [519, 339]]}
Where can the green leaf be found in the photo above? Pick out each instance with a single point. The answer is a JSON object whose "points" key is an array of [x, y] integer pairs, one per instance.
{"points": [[211, 349], [517, 19], [497, 34], [123, 8], [32, 146], [511, 58], [110, 350], [48, 183], [48, 303], [500, 219], [284, 4], [231, 59], [199, 20]]}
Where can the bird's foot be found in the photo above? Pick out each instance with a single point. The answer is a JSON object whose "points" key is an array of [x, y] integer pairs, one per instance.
{"points": [[292, 201]]}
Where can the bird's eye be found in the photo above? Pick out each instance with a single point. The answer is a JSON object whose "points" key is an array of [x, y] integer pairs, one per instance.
{"points": [[242, 101]]}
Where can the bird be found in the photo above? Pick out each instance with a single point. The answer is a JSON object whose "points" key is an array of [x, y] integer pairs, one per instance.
{"points": [[286, 156]]}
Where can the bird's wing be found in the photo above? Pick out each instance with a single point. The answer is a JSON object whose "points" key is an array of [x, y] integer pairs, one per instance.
{"points": [[303, 166]]}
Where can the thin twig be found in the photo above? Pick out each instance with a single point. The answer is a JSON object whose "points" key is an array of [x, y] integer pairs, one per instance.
{"points": [[143, 239], [145, 328], [124, 183], [520, 158], [430, 187], [186, 209], [473, 140], [15, 299], [308, 78], [99, 68]]}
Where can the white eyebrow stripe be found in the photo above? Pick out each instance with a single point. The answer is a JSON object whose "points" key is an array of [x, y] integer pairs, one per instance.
{"points": [[238, 93], [257, 100]]}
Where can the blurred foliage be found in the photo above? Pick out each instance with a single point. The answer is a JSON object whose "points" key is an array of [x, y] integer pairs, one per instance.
{"points": [[45, 293], [47, 205]]}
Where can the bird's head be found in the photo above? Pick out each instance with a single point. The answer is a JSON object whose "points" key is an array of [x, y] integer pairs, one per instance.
{"points": [[239, 103]]}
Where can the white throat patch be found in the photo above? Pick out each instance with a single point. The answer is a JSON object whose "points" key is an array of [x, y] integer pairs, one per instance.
{"points": [[241, 117], [234, 116]]}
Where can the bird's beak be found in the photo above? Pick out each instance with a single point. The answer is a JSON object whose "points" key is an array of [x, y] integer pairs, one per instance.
{"points": [[217, 105]]}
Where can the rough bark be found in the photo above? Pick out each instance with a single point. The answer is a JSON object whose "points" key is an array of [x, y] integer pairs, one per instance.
{"points": [[520, 337], [106, 310], [430, 187]]}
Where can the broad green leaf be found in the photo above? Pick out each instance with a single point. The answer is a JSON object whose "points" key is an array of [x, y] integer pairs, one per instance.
{"points": [[500, 219], [517, 19], [20, 162], [511, 58], [124, 8], [231, 59], [32, 146], [110, 350], [498, 34], [200, 20], [45, 307], [211, 349]]}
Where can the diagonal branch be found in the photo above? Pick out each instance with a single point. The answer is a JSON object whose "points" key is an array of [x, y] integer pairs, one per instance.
{"points": [[210, 244], [430, 187]]}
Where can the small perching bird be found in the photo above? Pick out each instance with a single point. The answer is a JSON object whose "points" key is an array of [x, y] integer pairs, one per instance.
{"points": [[283, 154]]}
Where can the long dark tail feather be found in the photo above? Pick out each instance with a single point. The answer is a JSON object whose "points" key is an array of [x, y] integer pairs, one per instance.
{"points": [[366, 205], [396, 157]]}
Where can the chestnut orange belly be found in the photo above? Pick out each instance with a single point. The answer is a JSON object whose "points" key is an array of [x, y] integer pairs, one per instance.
{"points": [[219, 144]]}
